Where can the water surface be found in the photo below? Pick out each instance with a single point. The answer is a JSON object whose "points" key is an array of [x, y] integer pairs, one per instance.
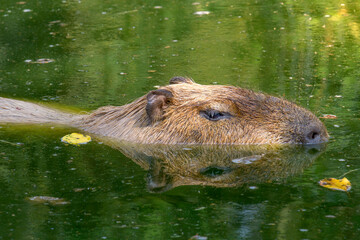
{"points": [[82, 55]]}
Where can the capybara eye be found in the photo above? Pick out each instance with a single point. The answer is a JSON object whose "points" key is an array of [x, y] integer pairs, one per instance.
{"points": [[214, 115]]}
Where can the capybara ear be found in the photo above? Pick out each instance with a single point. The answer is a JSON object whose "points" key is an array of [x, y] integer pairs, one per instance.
{"points": [[177, 80], [157, 101]]}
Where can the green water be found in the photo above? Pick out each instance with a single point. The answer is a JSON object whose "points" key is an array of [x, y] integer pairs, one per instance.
{"points": [[111, 52]]}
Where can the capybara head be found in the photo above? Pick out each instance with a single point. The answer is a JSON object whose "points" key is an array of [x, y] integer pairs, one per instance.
{"points": [[185, 112]]}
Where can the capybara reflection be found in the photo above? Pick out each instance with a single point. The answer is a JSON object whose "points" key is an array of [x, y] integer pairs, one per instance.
{"points": [[185, 112], [170, 166]]}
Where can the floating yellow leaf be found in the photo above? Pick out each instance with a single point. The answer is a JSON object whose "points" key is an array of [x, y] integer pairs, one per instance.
{"points": [[336, 184], [76, 138]]}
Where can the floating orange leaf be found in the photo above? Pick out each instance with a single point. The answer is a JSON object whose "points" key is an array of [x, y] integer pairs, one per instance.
{"points": [[336, 184], [329, 116]]}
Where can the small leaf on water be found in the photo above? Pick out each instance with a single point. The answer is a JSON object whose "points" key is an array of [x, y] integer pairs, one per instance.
{"points": [[76, 138], [328, 116], [40, 61], [200, 13], [44, 60], [198, 237], [336, 184], [78, 189], [48, 200]]}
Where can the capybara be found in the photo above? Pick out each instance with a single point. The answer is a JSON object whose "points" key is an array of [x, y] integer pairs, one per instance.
{"points": [[185, 112]]}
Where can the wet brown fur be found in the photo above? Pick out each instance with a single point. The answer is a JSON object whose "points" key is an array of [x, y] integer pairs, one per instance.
{"points": [[170, 115]]}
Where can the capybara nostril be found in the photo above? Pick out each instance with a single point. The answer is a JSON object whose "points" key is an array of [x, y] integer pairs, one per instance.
{"points": [[313, 136]]}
